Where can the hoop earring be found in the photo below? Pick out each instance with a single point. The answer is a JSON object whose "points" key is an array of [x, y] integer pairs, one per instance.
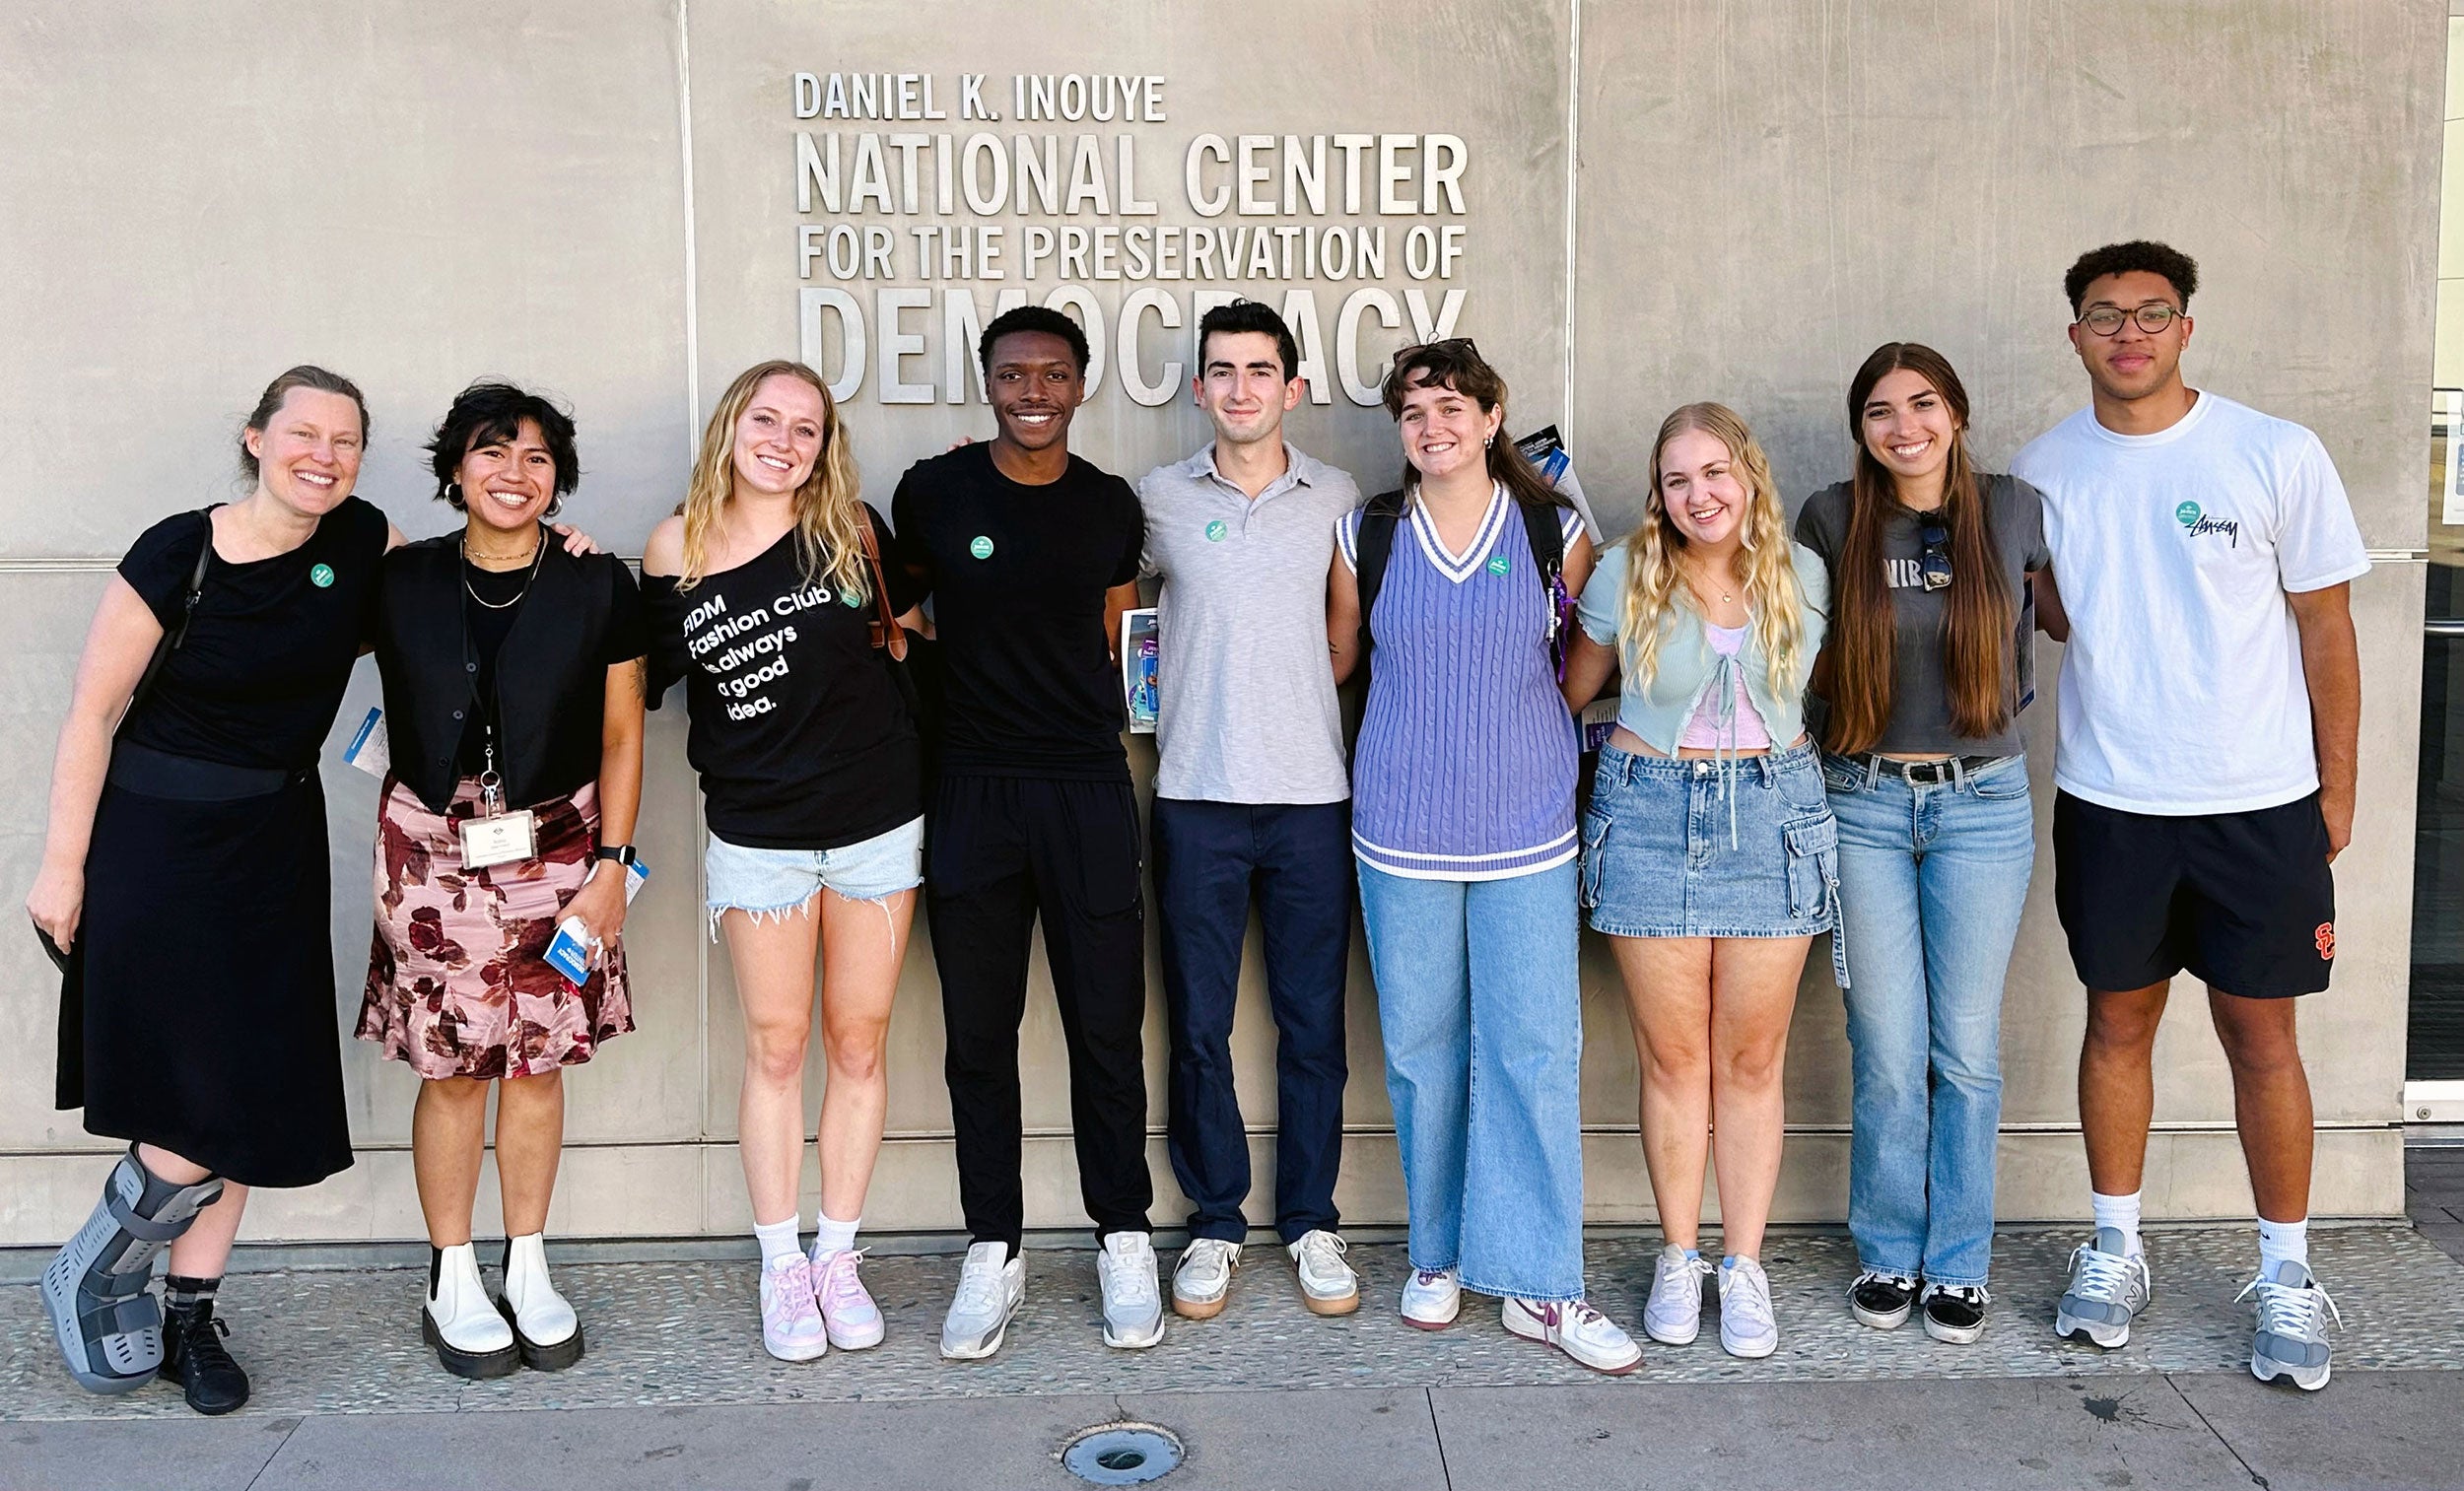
{"points": [[453, 493], [1489, 442]]}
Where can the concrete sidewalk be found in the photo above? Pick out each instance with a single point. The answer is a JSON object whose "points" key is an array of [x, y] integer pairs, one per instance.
{"points": [[2177, 1432]]}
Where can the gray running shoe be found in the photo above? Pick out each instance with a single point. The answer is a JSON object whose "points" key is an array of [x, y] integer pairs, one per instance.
{"points": [[2108, 1288], [991, 1285], [2291, 1338]]}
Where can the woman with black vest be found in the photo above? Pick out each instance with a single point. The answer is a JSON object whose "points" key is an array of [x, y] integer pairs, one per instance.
{"points": [[514, 696]]}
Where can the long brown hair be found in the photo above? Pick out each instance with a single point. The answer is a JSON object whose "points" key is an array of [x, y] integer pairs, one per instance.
{"points": [[1458, 364], [829, 538], [1977, 637], [1762, 566]]}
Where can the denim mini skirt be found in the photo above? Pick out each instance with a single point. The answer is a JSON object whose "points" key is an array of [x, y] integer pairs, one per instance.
{"points": [[1740, 848]]}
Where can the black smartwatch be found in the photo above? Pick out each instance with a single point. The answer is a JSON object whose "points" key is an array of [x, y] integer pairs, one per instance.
{"points": [[620, 854]]}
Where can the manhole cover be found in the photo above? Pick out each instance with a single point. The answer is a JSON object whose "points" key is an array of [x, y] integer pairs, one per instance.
{"points": [[1121, 1455]]}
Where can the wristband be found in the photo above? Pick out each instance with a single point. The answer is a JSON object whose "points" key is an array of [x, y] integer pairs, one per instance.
{"points": [[619, 854]]}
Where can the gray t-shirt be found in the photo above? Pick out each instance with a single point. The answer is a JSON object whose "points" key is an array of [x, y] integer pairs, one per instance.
{"points": [[1920, 710], [1246, 709]]}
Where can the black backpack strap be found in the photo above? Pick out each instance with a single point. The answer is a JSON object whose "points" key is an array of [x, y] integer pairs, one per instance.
{"points": [[1372, 546], [1544, 529]]}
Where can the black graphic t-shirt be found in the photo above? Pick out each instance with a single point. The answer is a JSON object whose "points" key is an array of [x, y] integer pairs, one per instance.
{"points": [[1920, 702], [798, 730], [1018, 575]]}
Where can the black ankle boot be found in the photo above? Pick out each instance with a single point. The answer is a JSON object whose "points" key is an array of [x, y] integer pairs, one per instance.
{"points": [[193, 1355]]}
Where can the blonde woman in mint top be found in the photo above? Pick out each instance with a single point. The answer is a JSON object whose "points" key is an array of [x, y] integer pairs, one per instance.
{"points": [[1463, 823], [1709, 854]]}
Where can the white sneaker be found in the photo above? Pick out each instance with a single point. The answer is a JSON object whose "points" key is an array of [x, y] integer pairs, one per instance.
{"points": [[2109, 1286], [1203, 1280], [1674, 1315], [992, 1286], [1747, 1327], [1574, 1327], [545, 1326], [1432, 1298], [472, 1339], [1328, 1285], [848, 1312], [1134, 1307], [792, 1328]]}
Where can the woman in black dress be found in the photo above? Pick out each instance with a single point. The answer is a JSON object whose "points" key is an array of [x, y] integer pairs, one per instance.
{"points": [[184, 871]]}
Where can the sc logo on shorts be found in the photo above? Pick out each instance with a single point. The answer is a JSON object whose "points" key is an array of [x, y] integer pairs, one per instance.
{"points": [[2325, 939]]}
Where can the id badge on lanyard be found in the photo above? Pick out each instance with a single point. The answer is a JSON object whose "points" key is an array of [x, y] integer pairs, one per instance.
{"points": [[494, 836]]}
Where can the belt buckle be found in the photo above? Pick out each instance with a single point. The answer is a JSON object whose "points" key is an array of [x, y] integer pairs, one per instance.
{"points": [[1936, 771]]}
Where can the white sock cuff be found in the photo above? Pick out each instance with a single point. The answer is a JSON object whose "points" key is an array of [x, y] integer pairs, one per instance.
{"points": [[777, 1239], [833, 1236], [2283, 1242]]}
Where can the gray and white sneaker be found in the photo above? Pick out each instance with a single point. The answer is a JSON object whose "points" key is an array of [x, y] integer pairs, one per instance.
{"points": [[992, 1286], [1134, 1307], [2109, 1286], [1202, 1282], [1747, 1327], [2291, 1338], [1672, 1315], [1328, 1285]]}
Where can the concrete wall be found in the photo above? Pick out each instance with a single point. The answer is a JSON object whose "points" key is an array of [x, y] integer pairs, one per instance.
{"points": [[599, 199]]}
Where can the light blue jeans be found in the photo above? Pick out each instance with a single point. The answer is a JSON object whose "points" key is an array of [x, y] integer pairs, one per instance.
{"points": [[1479, 1003], [1931, 879]]}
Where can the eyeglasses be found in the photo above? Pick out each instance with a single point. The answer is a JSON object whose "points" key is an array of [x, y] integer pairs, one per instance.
{"points": [[1935, 566], [2152, 317]]}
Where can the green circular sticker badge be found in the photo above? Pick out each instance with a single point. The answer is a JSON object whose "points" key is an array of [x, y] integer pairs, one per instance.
{"points": [[2188, 514], [1497, 563], [322, 577], [979, 546], [1217, 530]]}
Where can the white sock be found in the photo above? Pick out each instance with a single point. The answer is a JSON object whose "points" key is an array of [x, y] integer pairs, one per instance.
{"points": [[2120, 1213], [777, 1240], [2284, 1243], [833, 1237]]}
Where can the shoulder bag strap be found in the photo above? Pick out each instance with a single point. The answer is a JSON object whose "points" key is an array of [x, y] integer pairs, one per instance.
{"points": [[1547, 536], [173, 636], [1372, 546], [883, 631]]}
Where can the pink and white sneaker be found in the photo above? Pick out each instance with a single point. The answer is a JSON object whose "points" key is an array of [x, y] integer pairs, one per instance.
{"points": [[1574, 1327], [791, 1327], [854, 1320]]}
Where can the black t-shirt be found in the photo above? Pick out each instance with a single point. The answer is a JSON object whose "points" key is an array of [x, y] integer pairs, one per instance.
{"points": [[1920, 708], [270, 646], [491, 598], [798, 731], [1018, 575]]}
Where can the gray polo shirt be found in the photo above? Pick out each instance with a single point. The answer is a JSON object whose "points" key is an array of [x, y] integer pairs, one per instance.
{"points": [[1247, 711]]}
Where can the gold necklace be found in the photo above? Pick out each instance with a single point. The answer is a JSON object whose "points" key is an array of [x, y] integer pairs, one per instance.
{"points": [[538, 552]]}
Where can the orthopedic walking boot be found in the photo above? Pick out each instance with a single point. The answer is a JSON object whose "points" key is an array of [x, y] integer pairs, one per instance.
{"points": [[471, 1340], [545, 1327], [194, 1357], [110, 1326]]}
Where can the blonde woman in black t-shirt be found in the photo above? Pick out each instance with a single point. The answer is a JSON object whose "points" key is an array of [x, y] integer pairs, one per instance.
{"points": [[1924, 671], [765, 596]]}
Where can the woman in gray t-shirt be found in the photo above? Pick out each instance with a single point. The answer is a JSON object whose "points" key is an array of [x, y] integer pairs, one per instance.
{"points": [[1918, 689]]}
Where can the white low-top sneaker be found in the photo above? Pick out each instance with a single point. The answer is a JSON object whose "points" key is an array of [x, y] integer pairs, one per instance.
{"points": [[1328, 1285], [1202, 1282], [1134, 1306], [1674, 1315], [1747, 1329], [1575, 1329], [1432, 1298], [848, 1312], [791, 1327], [991, 1285]]}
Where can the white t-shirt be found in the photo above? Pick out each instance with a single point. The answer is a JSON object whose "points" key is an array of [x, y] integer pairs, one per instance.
{"points": [[2182, 691]]}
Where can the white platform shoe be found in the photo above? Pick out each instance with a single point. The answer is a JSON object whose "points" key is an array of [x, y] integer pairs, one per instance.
{"points": [[471, 1338], [544, 1324]]}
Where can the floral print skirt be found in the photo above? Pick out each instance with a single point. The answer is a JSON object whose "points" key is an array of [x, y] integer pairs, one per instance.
{"points": [[457, 982]]}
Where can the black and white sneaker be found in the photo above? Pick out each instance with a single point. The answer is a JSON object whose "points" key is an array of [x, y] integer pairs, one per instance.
{"points": [[1955, 1312], [1882, 1300]]}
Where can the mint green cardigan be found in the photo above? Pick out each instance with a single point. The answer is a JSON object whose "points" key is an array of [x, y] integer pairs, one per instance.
{"points": [[1689, 670]]}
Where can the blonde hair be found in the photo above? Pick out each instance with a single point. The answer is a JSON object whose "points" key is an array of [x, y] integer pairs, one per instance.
{"points": [[1762, 565], [828, 542]]}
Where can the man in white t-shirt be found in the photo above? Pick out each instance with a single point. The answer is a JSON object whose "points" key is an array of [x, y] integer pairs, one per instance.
{"points": [[2211, 694]]}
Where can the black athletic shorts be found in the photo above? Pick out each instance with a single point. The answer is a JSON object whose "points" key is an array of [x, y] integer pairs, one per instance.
{"points": [[2241, 900]]}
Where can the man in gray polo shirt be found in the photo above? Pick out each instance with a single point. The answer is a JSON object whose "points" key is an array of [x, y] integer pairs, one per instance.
{"points": [[1252, 800]]}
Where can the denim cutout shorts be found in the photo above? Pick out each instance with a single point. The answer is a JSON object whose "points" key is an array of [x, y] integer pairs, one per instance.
{"points": [[1744, 848], [774, 882]]}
